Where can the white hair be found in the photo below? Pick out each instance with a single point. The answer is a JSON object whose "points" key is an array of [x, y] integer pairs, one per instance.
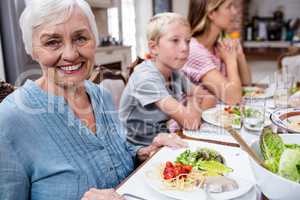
{"points": [[38, 12]]}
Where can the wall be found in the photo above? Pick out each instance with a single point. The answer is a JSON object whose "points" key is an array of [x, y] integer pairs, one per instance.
{"points": [[262, 71], [143, 9], [181, 6], [2, 76], [266, 7]]}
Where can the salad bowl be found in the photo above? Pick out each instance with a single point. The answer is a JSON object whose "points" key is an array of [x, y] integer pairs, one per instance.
{"points": [[274, 185]]}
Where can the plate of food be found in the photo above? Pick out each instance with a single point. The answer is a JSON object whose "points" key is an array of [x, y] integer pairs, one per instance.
{"points": [[223, 115], [196, 174], [257, 92], [287, 119]]}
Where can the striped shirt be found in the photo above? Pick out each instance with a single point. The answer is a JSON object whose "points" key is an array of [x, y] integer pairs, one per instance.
{"points": [[201, 61]]}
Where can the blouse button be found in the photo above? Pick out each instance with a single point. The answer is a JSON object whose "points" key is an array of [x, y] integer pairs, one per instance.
{"points": [[101, 147]]}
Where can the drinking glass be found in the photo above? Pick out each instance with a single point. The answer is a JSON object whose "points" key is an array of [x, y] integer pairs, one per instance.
{"points": [[253, 113], [283, 84]]}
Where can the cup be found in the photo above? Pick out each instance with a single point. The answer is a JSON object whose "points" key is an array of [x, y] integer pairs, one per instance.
{"points": [[253, 113], [283, 84]]}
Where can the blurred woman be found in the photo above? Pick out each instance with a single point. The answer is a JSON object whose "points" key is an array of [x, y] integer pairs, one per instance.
{"points": [[60, 137], [217, 63]]}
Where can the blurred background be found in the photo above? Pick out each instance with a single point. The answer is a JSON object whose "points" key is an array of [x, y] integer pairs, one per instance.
{"points": [[268, 28]]}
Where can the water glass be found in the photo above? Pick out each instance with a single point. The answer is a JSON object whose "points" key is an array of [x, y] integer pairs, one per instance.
{"points": [[253, 113], [283, 84]]}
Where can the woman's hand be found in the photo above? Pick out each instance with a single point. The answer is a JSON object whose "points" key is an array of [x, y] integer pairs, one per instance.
{"points": [[227, 51], [101, 194], [238, 46]]}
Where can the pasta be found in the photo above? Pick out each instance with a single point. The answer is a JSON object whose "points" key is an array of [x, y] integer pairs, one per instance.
{"points": [[182, 182]]}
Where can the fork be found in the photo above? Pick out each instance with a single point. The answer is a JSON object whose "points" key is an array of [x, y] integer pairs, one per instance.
{"points": [[132, 196], [208, 195]]}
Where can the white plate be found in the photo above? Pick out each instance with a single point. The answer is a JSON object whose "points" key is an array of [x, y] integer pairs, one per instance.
{"points": [[211, 116], [233, 156], [196, 194], [267, 93], [287, 119]]}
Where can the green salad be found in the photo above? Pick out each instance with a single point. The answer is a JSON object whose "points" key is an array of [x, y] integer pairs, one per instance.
{"points": [[235, 113], [282, 159], [205, 159]]}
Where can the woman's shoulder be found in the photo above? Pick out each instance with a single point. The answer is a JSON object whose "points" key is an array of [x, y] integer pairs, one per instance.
{"points": [[10, 116], [198, 49], [97, 89], [10, 106], [99, 93]]}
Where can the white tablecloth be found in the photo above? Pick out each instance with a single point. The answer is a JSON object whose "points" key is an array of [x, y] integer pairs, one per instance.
{"points": [[137, 185]]}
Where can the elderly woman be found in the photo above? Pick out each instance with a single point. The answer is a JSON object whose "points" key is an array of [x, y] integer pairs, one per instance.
{"points": [[60, 137]]}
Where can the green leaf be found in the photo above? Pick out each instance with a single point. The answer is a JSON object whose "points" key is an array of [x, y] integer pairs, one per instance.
{"points": [[289, 165]]}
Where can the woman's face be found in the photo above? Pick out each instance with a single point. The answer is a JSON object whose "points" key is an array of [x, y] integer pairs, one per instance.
{"points": [[66, 50], [172, 49], [225, 15]]}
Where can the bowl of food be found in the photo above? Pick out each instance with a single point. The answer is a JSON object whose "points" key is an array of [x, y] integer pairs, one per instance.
{"points": [[280, 176]]}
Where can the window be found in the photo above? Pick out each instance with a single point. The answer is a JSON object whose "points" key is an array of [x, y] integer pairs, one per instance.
{"points": [[128, 32], [113, 23], [128, 25]]}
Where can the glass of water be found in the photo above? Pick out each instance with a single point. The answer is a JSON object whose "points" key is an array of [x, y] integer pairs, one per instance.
{"points": [[253, 113], [284, 83]]}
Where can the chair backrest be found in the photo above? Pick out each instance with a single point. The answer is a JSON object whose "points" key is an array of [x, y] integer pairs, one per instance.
{"points": [[290, 61], [113, 81], [100, 73], [5, 89], [131, 67]]}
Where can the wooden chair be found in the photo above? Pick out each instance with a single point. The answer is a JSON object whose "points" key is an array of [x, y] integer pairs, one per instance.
{"points": [[5, 89], [131, 67], [100, 73], [113, 81]]}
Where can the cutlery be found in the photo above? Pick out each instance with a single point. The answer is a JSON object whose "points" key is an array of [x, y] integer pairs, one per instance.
{"points": [[208, 195], [128, 196], [244, 145]]}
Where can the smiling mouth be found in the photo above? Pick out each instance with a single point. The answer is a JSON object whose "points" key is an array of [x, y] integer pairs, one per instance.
{"points": [[71, 69]]}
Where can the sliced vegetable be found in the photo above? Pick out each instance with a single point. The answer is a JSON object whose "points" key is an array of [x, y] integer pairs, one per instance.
{"points": [[214, 167], [173, 170]]}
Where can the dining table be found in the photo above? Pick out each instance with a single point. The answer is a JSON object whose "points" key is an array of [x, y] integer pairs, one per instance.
{"points": [[208, 135]]}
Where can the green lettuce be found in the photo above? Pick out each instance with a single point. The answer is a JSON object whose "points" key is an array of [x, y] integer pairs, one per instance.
{"points": [[204, 159], [282, 159], [289, 166], [271, 146]]}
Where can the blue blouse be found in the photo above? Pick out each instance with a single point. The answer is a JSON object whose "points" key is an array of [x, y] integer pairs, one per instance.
{"points": [[47, 153]]}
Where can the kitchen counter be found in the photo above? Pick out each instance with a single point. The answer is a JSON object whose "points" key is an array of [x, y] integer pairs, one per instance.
{"points": [[264, 53], [265, 50]]}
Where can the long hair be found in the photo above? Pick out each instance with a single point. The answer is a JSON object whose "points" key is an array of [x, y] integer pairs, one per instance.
{"points": [[198, 14]]}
